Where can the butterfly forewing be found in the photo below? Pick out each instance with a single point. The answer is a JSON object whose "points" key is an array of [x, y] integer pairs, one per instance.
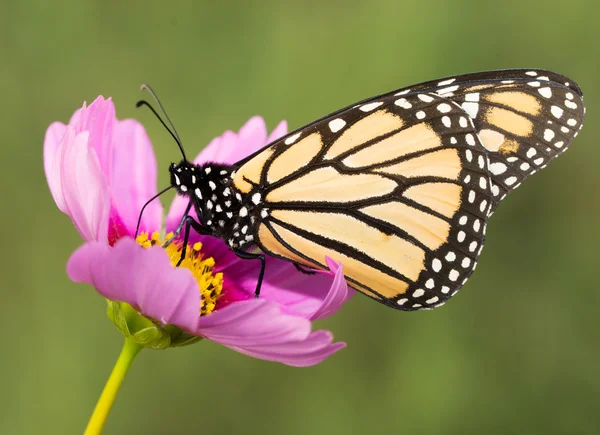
{"points": [[525, 118]]}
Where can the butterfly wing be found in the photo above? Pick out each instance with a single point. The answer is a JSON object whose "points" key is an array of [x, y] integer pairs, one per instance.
{"points": [[524, 118], [399, 187]]}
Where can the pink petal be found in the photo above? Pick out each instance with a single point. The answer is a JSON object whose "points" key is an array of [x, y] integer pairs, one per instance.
{"points": [[309, 296], [313, 350], [134, 178], [52, 142], [143, 278], [251, 323], [99, 119], [258, 328], [338, 294], [83, 189], [279, 131]]}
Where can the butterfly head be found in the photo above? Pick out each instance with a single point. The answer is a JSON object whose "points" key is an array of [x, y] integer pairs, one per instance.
{"points": [[184, 176]]}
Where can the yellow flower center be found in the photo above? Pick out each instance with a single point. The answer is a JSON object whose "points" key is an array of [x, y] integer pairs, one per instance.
{"points": [[209, 283]]}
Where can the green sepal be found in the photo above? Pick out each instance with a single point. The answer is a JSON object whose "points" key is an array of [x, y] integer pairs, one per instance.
{"points": [[143, 330]]}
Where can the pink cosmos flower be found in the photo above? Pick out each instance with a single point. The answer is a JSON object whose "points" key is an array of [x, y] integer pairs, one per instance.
{"points": [[101, 171]]}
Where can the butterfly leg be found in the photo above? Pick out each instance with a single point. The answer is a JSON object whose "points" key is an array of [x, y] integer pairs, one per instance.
{"points": [[252, 256], [180, 226], [303, 270], [189, 222]]}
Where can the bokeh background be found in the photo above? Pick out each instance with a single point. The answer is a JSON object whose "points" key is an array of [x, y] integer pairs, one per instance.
{"points": [[517, 351]]}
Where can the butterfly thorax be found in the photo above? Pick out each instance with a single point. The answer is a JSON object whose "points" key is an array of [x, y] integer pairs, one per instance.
{"points": [[228, 213]]}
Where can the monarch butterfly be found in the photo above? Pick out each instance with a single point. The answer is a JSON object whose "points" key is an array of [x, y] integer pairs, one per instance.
{"points": [[398, 187]]}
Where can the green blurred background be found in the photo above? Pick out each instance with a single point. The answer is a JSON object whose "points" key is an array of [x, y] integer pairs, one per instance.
{"points": [[517, 351]]}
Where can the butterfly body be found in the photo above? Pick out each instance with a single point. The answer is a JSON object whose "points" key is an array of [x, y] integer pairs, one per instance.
{"points": [[398, 188]]}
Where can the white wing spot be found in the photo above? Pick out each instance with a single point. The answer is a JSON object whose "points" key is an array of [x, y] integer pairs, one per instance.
{"points": [[402, 102], [531, 152], [498, 168], [556, 111], [461, 236], [418, 293], [420, 114], [463, 220], [447, 82], [243, 211], [510, 181], [402, 301], [436, 265], [290, 140], [525, 166], [471, 109], [476, 225], [463, 122], [548, 135], [370, 106], [559, 144], [453, 275], [433, 300], [469, 155], [534, 84], [444, 108], [425, 98], [473, 246], [531, 73], [483, 182], [336, 125], [539, 161], [183, 188], [450, 256], [466, 262], [483, 205], [570, 104], [212, 185], [430, 283], [256, 198], [198, 193], [545, 92], [572, 122], [446, 121], [445, 289], [471, 196], [447, 91]]}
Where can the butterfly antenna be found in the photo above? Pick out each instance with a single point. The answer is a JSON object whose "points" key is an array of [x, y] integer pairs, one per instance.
{"points": [[137, 228], [171, 130]]}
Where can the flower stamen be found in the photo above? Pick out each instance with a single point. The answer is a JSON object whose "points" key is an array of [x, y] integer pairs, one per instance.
{"points": [[209, 283]]}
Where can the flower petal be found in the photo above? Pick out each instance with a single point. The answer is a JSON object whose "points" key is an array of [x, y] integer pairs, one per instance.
{"points": [[313, 350], [84, 191], [258, 328], [338, 294], [134, 177], [279, 131], [99, 119], [309, 296], [143, 278], [52, 141]]}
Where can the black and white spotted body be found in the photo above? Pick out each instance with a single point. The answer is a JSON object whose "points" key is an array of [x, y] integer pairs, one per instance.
{"points": [[221, 208]]}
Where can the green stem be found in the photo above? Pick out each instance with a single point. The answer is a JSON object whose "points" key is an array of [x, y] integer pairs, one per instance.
{"points": [[107, 398]]}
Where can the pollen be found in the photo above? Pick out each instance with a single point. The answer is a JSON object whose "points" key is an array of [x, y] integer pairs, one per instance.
{"points": [[202, 268]]}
